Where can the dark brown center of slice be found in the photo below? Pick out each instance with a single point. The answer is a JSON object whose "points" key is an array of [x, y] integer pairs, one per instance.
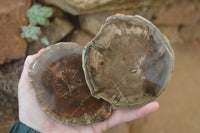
{"points": [[63, 93]]}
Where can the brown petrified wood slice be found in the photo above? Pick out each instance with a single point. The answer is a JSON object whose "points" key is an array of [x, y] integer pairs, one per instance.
{"points": [[129, 62], [61, 89]]}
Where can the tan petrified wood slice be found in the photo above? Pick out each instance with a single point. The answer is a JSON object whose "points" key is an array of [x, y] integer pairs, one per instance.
{"points": [[58, 80], [129, 62]]}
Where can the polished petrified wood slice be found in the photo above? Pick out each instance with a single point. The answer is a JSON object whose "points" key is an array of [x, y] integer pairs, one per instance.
{"points": [[129, 62], [61, 89]]}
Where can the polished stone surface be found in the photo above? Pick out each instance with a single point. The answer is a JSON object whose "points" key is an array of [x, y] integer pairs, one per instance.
{"points": [[61, 89], [129, 62]]}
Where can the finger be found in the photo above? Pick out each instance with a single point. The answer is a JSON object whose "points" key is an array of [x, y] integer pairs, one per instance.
{"points": [[121, 116], [24, 79], [30, 58]]}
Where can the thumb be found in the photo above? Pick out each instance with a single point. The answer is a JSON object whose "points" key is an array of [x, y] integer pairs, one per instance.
{"points": [[121, 116]]}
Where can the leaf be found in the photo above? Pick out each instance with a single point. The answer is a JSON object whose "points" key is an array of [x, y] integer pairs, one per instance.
{"points": [[47, 12], [30, 32], [39, 15], [33, 21], [29, 13], [44, 41], [34, 37], [41, 20]]}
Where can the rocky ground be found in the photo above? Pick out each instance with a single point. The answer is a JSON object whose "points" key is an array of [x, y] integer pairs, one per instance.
{"points": [[178, 20]]}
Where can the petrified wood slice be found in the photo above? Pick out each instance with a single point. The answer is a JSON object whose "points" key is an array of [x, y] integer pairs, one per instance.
{"points": [[61, 89], [129, 62]]}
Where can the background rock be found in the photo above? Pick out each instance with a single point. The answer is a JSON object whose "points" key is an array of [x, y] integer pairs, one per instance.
{"points": [[9, 78], [80, 37], [184, 13], [8, 114], [12, 16], [92, 22], [57, 30], [77, 7], [190, 32], [171, 32]]}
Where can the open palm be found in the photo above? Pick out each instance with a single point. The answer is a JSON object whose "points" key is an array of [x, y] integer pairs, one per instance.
{"points": [[31, 115]]}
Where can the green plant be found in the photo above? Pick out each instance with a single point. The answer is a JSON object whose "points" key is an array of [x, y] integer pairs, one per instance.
{"points": [[44, 40], [30, 32], [37, 15]]}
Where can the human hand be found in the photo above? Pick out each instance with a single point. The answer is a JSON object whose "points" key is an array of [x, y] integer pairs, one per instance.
{"points": [[31, 114]]}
